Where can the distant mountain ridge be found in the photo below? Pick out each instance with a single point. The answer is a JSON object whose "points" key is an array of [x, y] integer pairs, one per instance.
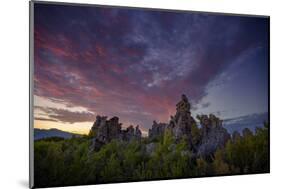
{"points": [[250, 121], [47, 133]]}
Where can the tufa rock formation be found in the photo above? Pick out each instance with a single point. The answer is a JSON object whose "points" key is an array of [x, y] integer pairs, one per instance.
{"points": [[214, 136], [156, 130], [211, 134], [202, 141], [103, 131], [180, 124]]}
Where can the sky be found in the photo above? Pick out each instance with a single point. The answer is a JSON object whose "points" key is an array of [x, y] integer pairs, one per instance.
{"points": [[136, 64]]}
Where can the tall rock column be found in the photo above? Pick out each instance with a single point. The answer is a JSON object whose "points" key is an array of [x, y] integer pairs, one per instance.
{"points": [[214, 136], [182, 121]]}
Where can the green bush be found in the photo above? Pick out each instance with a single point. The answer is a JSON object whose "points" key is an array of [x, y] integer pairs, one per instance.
{"points": [[72, 162]]}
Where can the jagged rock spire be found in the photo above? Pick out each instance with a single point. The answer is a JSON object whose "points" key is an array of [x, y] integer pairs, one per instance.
{"points": [[180, 124], [212, 135], [156, 130], [183, 106], [103, 131]]}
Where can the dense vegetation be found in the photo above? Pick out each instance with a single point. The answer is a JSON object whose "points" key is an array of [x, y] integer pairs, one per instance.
{"points": [[72, 162]]}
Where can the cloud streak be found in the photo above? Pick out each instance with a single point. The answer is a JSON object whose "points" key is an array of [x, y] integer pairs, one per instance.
{"points": [[65, 116]]}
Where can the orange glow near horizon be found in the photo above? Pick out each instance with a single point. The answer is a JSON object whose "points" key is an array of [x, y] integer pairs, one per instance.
{"points": [[78, 128]]}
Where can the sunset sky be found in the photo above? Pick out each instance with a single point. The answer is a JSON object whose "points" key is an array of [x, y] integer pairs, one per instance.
{"points": [[135, 64]]}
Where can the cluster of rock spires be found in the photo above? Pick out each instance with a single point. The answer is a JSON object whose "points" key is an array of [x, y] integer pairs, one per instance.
{"points": [[103, 131], [211, 134], [180, 124]]}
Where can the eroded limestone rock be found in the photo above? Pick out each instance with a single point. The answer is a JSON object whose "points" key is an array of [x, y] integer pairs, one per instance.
{"points": [[104, 131], [214, 136]]}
